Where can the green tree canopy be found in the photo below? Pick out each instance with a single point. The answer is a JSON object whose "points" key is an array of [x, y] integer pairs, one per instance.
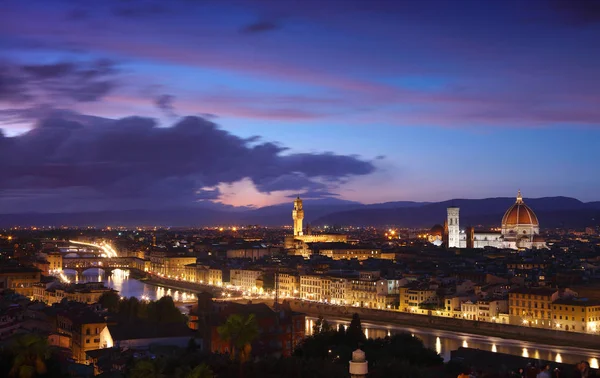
{"points": [[240, 331]]}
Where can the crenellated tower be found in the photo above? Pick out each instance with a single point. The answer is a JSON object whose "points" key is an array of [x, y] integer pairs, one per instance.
{"points": [[298, 217]]}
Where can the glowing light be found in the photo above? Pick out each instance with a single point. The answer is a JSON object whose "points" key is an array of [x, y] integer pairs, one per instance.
{"points": [[465, 344], [494, 349], [558, 359], [525, 353], [594, 363], [438, 345]]}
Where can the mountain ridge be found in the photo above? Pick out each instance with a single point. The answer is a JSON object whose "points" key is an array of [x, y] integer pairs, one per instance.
{"points": [[487, 212]]}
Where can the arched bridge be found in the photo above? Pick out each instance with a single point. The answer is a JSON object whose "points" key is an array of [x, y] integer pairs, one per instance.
{"points": [[107, 264]]}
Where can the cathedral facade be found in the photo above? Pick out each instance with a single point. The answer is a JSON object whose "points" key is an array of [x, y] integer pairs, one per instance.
{"points": [[520, 230]]}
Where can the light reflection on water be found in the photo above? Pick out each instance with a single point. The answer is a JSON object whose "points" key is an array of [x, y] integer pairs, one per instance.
{"points": [[129, 287], [444, 342]]}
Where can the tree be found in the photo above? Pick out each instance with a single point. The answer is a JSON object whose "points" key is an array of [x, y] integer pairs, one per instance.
{"points": [[200, 371], [321, 326], [354, 333], [147, 369], [239, 331], [31, 353], [110, 301]]}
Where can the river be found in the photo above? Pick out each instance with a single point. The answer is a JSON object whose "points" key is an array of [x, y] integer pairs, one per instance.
{"points": [[443, 342]]}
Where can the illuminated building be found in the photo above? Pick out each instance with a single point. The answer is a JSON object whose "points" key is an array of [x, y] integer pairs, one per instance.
{"points": [[342, 251], [289, 284], [576, 315], [55, 292], [533, 306], [84, 328], [520, 229], [310, 287], [414, 295], [297, 242], [19, 278], [245, 279]]}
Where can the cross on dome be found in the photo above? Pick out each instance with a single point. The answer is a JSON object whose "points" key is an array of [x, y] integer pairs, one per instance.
{"points": [[519, 197]]}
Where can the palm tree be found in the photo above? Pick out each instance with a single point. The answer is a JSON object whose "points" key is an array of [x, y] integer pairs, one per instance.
{"points": [[30, 354], [239, 331]]}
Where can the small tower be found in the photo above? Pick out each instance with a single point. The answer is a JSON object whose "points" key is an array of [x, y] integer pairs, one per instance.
{"points": [[298, 217], [453, 227], [359, 367], [519, 197]]}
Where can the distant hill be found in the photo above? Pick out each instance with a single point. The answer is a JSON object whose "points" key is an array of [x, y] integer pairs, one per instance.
{"points": [[552, 212]]}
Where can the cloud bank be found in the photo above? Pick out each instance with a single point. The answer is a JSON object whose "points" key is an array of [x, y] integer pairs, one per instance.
{"points": [[134, 161]]}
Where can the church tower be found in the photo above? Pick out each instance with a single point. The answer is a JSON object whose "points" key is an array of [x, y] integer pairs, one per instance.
{"points": [[453, 227], [298, 216]]}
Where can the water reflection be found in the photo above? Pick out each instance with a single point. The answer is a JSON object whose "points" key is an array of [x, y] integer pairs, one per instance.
{"points": [[120, 281], [443, 342]]}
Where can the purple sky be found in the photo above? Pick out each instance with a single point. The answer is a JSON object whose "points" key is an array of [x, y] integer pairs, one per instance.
{"points": [[145, 104]]}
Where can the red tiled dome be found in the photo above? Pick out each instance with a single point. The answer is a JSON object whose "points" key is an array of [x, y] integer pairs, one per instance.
{"points": [[437, 230], [519, 214]]}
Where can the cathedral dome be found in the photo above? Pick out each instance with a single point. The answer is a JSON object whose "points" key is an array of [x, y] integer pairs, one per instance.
{"points": [[519, 214], [437, 230]]}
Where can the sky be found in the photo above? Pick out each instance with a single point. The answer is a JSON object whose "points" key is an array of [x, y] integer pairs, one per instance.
{"points": [[155, 104]]}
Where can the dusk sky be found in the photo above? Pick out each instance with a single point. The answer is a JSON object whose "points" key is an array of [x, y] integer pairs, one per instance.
{"points": [[143, 104]]}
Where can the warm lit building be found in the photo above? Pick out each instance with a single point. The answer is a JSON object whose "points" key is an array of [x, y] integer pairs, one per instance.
{"points": [[245, 279], [84, 327], [484, 311], [310, 287], [339, 289], [414, 295], [533, 306], [171, 265], [576, 315], [55, 260], [19, 278], [288, 284], [343, 251], [55, 292], [297, 242]]}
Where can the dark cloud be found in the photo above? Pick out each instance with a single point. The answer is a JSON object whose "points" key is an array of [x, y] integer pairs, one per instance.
{"points": [[132, 160], [74, 81], [259, 27], [165, 103]]}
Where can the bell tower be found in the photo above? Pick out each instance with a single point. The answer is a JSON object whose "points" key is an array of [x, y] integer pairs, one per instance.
{"points": [[453, 227], [298, 217]]}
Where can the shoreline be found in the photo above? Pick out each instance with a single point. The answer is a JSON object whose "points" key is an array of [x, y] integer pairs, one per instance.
{"points": [[385, 317]]}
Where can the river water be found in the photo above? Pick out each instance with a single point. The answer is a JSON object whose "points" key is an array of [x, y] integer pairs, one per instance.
{"points": [[443, 342]]}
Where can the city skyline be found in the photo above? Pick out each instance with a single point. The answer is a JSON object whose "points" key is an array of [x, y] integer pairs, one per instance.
{"points": [[248, 103]]}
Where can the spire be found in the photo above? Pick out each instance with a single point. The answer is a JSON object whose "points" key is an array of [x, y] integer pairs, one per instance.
{"points": [[519, 197]]}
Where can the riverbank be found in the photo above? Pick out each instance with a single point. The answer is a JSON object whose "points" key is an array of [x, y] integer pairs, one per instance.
{"points": [[182, 285], [386, 317], [504, 331]]}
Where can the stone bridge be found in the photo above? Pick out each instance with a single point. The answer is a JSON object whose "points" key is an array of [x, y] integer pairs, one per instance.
{"points": [[107, 264]]}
